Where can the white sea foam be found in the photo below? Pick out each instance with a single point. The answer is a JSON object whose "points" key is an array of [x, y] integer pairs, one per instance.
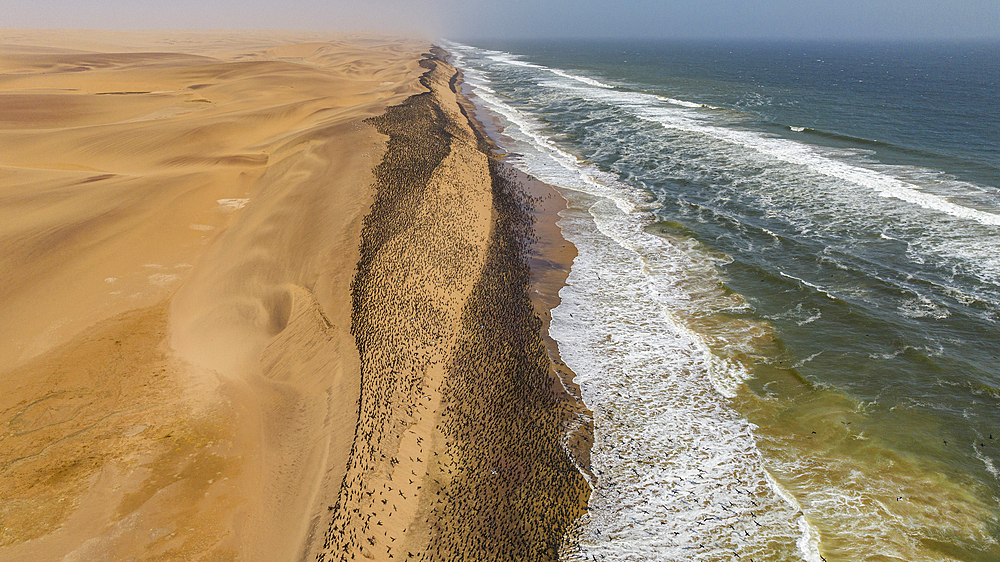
{"points": [[583, 79], [678, 468], [683, 103], [808, 542], [678, 471], [580, 177], [987, 462], [813, 286], [801, 362], [514, 60], [647, 106], [885, 185], [922, 307]]}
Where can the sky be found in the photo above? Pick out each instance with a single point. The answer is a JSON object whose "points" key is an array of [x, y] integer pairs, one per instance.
{"points": [[519, 19]]}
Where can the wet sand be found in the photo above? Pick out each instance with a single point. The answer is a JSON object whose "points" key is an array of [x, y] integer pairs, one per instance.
{"points": [[549, 258], [270, 300]]}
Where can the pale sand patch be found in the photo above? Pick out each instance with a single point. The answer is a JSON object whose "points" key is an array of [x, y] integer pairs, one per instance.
{"points": [[232, 205], [163, 279], [109, 163]]}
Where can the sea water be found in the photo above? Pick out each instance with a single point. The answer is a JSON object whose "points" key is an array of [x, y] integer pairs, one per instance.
{"points": [[784, 311]]}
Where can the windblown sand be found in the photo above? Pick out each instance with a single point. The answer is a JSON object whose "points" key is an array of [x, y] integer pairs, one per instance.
{"points": [[265, 297], [168, 205]]}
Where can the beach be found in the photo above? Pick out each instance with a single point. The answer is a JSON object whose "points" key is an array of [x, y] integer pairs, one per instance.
{"points": [[782, 301], [267, 296]]}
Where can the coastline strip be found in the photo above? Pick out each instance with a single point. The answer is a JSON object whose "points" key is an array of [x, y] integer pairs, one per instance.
{"points": [[458, 452]]}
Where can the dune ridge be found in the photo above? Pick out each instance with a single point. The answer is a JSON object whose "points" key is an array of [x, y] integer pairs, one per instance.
{"points": [[459, 449], [179, 226], [272, 303]]}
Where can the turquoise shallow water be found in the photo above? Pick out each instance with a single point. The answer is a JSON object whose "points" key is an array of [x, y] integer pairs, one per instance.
{"points": [[785, 308]]}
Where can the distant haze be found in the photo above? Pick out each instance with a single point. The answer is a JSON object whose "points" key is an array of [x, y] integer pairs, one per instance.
{"points": [[519, 19]]}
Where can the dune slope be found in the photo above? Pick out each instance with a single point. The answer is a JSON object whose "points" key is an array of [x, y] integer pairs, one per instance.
{"points": [[459, 449], [266, 297], [179, 227]]}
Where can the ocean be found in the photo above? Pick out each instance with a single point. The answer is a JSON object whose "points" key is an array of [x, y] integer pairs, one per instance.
{"points": [[784, 311]]}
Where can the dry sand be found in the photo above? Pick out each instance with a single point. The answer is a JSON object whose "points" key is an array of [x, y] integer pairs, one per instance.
{"points": [[179, 223], [250, 314], [461, 449]]}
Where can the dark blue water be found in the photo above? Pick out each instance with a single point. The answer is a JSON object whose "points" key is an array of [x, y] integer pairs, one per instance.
{"points": [[846, 198], [924, 101]]}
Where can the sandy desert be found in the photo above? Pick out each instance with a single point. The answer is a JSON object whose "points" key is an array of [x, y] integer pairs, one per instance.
{"points": [[265, 296]]}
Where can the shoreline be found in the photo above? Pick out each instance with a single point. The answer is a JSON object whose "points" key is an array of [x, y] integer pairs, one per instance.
{"points": [[346, 354], [550, 257], [458, 452], [550, 264]]}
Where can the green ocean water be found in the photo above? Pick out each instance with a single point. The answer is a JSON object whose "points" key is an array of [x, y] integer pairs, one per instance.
{"points": [[784, 313]]}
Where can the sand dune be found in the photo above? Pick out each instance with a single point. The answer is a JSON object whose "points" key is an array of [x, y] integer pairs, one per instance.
{"points": [[266, 297], [459, 450], [179, 216]]}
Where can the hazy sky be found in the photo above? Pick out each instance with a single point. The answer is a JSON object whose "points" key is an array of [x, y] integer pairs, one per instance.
{"points": [[470, 19]]}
